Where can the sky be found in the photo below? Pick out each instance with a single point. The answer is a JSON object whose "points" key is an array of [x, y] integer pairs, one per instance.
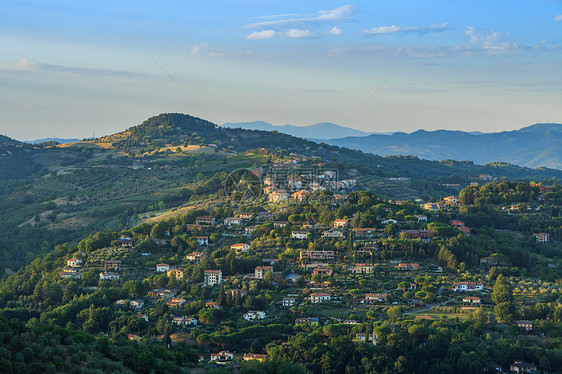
{"points": [[74, 69]]}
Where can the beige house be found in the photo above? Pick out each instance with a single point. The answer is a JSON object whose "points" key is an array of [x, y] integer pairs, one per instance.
{"points": [[317, 255], [341, 223], [212, 277], [362, 269], [176, 273], [525, 324], [205, 220], [375, 297], [260, 271]]}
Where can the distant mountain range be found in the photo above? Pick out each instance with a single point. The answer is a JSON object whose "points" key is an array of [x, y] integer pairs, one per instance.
{"points": [[166, 132], [532, 146], [318, 131], [58, 140]]}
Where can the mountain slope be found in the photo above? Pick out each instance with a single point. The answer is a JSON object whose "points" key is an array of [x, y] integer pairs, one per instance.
{"points": [[55, 194], [319, 131], [532, 146]]}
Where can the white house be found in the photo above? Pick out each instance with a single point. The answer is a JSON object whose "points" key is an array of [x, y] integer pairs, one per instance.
{"points": [[137, 304], [233, 221], [184, 321], [471, 300], [195, 256], [332, 234], [319, 297], [299, 235], [162, 268], [252, 315], [280, 224], [541, 237], [452, 200], [386, 222], [222, 356], [467, 286], [108, 275], [249, 230], [69, 273], [522, 367], [202, 240], [367, 338], [289, 301], [240, 247], [74, 262], [212, 277]]}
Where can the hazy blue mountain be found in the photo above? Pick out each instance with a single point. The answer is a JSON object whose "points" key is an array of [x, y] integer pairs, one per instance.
{"points": [[319, 131], [58, 140], [532, 146]]}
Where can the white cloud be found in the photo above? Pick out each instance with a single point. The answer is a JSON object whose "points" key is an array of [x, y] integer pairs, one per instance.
{"points": [[298, 33], [269, 34], [26, 65], [335, 31], [386, 30], [265, 34], [490, 41], [558, 18], [337, 14], [196, 48]]}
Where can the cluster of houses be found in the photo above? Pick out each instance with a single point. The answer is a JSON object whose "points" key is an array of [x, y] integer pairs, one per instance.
{"points": [[315, 261], [288, 183], [226, 356], [515, 367], [467, 286]]}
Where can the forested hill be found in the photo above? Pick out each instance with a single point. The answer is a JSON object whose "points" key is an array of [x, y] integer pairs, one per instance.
{"points": [[176, 129], [164, 133], [168, 131]]}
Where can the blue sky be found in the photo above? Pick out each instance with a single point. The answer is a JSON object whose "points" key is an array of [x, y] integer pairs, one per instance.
{"points": [[71, 68]]}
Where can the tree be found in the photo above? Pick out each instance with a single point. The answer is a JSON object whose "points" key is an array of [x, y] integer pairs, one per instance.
{"points": [[221, 299], [502, 291], [394, 313], [421, 294], [503, 297], [268, 277], [248, 303], [391, 230], [228, 298], [238, 299], [404, 286], [158, 230], [133, 288]]}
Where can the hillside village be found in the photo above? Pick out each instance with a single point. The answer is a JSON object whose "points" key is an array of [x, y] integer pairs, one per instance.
{"points": [[237, 280], [210, 250]]}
